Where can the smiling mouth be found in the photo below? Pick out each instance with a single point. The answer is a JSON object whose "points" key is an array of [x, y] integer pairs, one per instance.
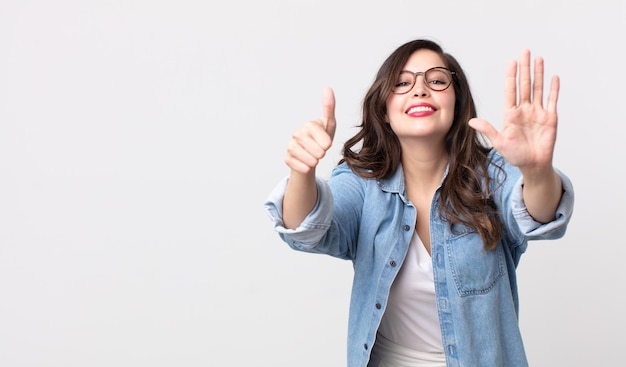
{"points": [[420, 109]]}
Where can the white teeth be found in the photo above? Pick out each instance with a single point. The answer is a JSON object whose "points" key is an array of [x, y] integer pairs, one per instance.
{"points": [[420, 109]]}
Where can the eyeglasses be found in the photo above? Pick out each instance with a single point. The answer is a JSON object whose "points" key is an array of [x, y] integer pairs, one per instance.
{"points": [[437, 79]]}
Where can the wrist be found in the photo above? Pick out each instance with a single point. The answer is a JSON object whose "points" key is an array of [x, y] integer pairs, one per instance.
{"points": [[538, 174]]}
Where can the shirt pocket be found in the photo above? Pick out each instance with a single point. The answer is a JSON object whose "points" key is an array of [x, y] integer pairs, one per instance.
{"points": [[475, 270]]}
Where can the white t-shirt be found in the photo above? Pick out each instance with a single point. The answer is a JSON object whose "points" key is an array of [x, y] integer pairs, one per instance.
{"points": [[411, 318]]}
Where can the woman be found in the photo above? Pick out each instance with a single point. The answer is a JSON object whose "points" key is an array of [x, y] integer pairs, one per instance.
{"points": [[433, 219]]}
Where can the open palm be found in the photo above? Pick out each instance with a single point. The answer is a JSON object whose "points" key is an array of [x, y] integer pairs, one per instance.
{"points": [[529, 130]]}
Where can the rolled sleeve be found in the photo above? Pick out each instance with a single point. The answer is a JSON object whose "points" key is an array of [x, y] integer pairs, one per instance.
{"points": [[313, 227], [534, 230]]}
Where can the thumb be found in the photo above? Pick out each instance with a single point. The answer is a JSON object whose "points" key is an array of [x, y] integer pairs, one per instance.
{"points": [[485, 128], [328, 112]]}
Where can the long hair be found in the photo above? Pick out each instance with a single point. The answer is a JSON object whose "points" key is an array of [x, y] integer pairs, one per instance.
{"points": [[375, 152]]}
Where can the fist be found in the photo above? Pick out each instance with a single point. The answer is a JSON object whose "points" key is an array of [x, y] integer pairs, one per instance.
{"points": [[309, 144]]}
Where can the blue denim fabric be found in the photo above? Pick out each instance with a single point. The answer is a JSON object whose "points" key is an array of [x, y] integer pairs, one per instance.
{"points": [[370, 222]]}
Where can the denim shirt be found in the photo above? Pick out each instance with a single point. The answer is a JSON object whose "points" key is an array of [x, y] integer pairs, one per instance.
{"points": [[370, 222]]}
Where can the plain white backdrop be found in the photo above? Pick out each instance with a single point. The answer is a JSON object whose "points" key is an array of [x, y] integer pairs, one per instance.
{"points": [[139, 140]]}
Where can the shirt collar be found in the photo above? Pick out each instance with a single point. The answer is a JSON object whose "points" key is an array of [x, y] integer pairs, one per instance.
{"points": [[395, 183]]}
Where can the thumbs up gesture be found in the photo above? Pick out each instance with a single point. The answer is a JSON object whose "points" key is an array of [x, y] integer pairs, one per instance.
{"points": [[309, 144]]}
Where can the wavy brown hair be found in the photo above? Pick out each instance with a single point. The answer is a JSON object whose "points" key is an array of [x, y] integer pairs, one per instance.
{"points": [[465, 197]]}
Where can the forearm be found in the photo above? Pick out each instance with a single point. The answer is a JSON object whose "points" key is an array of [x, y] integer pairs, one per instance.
{"points": [[300, 198], [542, 193]]}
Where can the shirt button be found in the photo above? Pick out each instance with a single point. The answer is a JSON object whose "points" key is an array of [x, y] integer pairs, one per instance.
{"points": [[365, 346], [378, 306], [452, 349], [407, 227], [392, 263]]}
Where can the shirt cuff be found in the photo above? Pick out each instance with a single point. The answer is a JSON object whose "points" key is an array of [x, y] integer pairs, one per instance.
{"points": [[534, 230], [315, 224]]}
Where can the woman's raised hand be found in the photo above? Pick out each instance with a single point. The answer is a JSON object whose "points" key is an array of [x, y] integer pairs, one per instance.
{"points": [[528, 133], [310, 143]]}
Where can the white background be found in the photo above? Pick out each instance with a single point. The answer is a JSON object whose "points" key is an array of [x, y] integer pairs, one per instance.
{"points": [[139, 140]]}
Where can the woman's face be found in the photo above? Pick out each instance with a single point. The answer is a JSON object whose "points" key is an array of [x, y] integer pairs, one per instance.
{"points": [[421, 112]]}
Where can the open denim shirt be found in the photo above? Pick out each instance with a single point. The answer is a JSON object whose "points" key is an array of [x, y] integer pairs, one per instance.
{"points": [[370, 222]]}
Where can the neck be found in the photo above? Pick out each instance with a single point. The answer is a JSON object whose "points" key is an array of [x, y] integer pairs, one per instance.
{"points": [[423, 168]]}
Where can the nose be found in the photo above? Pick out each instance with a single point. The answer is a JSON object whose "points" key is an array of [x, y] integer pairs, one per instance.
{"points": [[419, 88]]}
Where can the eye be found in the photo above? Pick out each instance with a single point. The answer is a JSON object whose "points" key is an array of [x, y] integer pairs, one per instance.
{"points": [[404, 80], [438, 77]]}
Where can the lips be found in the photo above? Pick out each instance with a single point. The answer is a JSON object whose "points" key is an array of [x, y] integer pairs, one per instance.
{"points": [[421, 109]]}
